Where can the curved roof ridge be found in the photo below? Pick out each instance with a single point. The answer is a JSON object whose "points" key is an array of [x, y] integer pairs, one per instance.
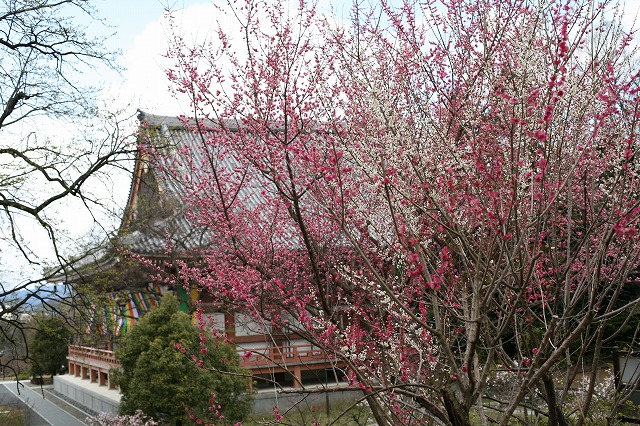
{"points": [[175, 122], [158, 120]]}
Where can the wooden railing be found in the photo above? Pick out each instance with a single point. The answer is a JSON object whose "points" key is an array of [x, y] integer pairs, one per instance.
{"points": [[281, 356], [92, 356]]}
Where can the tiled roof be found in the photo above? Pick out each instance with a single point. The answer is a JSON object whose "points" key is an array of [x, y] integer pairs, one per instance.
{"points": [[157, 215]]}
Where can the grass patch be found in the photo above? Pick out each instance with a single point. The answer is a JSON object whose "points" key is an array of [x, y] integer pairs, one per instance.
{"points": [[356, 416], [12, 416]]}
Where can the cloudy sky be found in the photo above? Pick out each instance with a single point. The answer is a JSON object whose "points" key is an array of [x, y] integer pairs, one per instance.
{"points": [[138, 28], [140, 32]]}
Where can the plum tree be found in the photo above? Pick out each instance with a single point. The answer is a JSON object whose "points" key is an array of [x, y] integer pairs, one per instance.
{"points": [[431, 193]]}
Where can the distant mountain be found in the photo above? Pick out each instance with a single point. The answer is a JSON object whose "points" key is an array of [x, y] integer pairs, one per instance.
{"points": [[48, 291]]}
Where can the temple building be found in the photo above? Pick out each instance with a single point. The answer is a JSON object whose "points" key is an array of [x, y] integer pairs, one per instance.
{"points": [[127, 278]]}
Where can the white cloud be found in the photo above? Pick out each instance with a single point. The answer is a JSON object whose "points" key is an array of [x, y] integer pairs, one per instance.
{"points": [[144, 83]]}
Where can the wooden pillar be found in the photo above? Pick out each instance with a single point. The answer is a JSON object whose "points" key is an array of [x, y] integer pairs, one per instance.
{"points": [[229, 325], [297, 374], [111, 384]]}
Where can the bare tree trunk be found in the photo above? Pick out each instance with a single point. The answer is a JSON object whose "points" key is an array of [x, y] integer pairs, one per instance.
{"points": [[457, 412], [556, 416]]}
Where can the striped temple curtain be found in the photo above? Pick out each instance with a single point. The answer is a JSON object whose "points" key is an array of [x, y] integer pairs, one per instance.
{"points": [[122, 309]]}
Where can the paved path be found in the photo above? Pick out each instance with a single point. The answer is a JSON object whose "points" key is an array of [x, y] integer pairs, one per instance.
{"points": [[40, 412]]}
